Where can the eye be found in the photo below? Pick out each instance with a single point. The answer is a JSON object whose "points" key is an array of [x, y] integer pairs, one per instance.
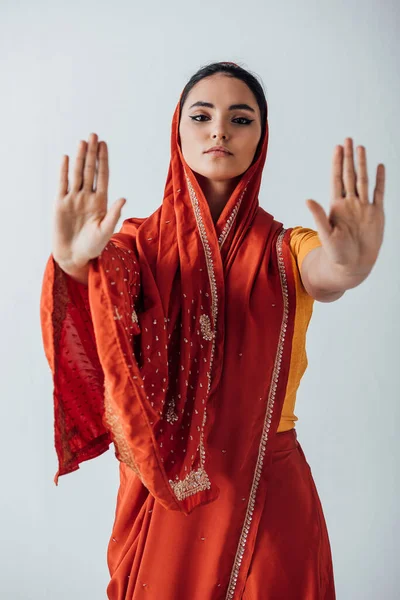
{"points": [[195, 117], [246, 121]]}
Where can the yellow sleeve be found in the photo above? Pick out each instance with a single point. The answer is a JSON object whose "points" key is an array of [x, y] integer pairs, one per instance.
{"points": [[302, 241]]}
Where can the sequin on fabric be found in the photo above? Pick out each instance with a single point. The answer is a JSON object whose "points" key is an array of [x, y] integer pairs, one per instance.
{"points": [[197, 480]]}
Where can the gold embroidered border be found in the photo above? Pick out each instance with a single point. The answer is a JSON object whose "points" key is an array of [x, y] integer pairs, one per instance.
{"points": [[230, 220], [115, 426], [198, 480], [207, 250], [267, 424], [194, 482]]}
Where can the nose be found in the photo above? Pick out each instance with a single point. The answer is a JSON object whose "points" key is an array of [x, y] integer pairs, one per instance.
{"points": [[219, 129], [219, 135]]}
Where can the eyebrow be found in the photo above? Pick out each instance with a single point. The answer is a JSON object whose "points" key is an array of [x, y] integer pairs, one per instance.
{"points": [[232, 106]]}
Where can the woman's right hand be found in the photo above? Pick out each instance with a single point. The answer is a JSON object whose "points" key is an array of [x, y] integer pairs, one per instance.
{"points": [[82, 224]]}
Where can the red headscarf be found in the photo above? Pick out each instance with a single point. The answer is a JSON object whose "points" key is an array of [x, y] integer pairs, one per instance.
{"points": [[157, 302]]}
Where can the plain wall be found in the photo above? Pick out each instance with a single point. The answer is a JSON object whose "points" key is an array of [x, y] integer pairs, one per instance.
{"points": [[330, 70]]}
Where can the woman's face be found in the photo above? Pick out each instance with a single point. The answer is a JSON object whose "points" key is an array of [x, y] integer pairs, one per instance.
{"points": [[221, 123]]}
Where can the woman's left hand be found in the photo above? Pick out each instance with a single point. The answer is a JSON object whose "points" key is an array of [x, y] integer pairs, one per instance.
{"points": [[353, 233]]}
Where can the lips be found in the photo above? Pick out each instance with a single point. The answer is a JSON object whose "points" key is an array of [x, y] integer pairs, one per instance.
{"points": [[219, 149]]}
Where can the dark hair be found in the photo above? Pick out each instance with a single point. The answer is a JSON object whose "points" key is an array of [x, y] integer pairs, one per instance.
{"points": [[232, 70]]}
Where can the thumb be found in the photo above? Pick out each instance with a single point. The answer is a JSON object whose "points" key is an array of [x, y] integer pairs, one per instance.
{"points": [[111, 219], [320, 217]]}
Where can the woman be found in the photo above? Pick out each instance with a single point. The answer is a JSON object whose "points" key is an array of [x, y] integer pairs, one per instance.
{"points": [[181, 339]]}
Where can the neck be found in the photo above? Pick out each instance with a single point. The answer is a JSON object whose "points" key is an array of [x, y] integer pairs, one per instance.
{"points": [[217, 193]]}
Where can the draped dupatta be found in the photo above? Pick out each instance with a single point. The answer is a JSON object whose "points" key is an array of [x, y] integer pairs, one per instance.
{"points": [[143, 346]]}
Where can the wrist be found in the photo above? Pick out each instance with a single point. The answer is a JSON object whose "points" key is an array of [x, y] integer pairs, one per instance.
{"points": [[78, 274], [335, 279]]}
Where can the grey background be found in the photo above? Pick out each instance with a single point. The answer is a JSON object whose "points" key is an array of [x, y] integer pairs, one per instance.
{"points": [[330, 70]]}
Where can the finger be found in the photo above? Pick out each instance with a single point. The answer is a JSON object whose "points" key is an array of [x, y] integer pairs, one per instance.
{"points": [[111, 219], [78, 167], [380, 185], [349, 175], [63, 186], [362, 177], [103, 171], [323, 225], [90, 163], [336, 175]]}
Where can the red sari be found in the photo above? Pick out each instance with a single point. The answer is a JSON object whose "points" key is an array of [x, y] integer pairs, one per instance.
{"points": [[178, 352]]}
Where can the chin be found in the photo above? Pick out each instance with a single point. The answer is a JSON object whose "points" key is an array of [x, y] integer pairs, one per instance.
{"points": [[219, 174]]}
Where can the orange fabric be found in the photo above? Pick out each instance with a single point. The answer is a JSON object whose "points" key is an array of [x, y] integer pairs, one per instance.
{"points": [[292, 556], [179, 353], [156, 553], [302, 241]]}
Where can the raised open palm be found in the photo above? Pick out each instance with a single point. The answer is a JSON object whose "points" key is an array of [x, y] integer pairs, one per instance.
{"points": [[353, 233], [82, 224]]}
